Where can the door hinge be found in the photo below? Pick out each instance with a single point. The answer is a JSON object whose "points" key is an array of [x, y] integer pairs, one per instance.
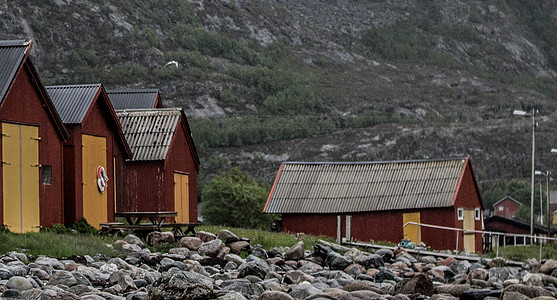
{"points": [[36, 165], [5, 134], [35, 138], [6, 163]]}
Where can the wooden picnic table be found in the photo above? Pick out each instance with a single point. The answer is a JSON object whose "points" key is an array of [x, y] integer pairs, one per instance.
{"points": [[156, 218]]}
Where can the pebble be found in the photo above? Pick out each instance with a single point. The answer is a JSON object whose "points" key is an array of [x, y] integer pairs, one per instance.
{"points": [[204, 268]]}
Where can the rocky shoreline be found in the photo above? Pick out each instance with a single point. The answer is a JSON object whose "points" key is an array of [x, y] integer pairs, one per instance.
{"points": [[208, 266]]}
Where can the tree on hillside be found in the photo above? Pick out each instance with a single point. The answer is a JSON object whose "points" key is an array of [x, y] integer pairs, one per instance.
{"points": [[234, 198]]}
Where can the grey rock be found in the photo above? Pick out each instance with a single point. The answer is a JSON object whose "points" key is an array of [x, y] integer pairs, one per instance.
{"points": [[227, 237], [528, 291], [137, 296], [497, 262], [53, 262], [62, 278], [420, 284], [157, 238], [233, 295], [258, 251], [443, 297], [237, 247], [371, 261], [548, 266], [243, 286], [181, 251], [304, 290], [129, 248], [275, 295], [336, 261], [385, 274], [211, 248], [181, 285], [167, 263], [478, 273], [295, 252], [12, 294], [80, 278], [479, 294], [533, 279], [190, 242], [502, 273], [19, 283], [132, 239], [359, 295], [205, 236], [452, 289], [5, 274], [257, 267], [125, 282], [359, 285]]}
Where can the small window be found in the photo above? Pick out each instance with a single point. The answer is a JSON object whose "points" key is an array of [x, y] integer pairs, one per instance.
{"points": [[501, 208], [460, 213], [46, 174], [477, 213]]}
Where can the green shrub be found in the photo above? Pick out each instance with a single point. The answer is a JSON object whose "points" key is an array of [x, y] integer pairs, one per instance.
{"points": [[83, 227], [233, 198], [58, 228]]}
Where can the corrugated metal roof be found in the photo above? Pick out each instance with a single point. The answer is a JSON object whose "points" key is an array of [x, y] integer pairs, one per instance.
{"points": [[133, 99], [149, 131], [364, 186], [73, 101], [11, 56]]}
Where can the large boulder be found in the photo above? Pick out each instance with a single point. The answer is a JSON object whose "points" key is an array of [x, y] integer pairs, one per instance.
{"points": [[295, 252], [528, 291], [336, 261], [132, 239], [157, 238], [420, 283], [190, 242], [212, 248], [184, 285], [548, 266], [205, 236], [227, 237], [19, 283]]}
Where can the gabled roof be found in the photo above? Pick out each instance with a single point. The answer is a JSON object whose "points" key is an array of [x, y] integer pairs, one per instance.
{"points": [[13, 56], [505, 198], [514, 222], [73, 102], [149, 132], [302, 187], [134, 99]]}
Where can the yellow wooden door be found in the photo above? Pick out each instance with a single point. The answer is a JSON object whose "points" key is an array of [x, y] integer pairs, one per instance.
{"points": [[20, 160], [469, 237], [94, 198], [412, 232], [181, 197]]}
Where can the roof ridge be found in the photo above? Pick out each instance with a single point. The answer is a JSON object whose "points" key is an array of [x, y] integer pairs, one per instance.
{"points": [[85, 85], [376, 162], [14, 43]]}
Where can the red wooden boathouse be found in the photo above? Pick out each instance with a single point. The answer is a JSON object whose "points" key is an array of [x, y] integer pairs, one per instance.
{"points": [[375, 200], [93, 155], [31, 145], [162, 176]]}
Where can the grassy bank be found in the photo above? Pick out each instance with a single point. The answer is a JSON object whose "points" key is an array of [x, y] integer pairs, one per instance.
{"points": [[57, 245]]}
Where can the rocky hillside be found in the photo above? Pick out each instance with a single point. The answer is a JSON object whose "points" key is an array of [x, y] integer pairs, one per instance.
{"points": [[264, 81]]}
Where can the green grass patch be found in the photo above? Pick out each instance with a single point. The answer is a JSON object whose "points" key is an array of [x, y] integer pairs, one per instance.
{"points": [[57, 245], [522, 253], [267, 240]]}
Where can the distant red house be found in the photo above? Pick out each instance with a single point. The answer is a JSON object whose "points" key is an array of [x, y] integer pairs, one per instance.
{"points": [[93, 155], [375, 199], [162, 176], [31, 178], [506, 207]]}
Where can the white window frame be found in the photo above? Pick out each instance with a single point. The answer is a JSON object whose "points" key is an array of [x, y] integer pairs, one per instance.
{"points": [[477, 214], [501, 208], [460, 213]]}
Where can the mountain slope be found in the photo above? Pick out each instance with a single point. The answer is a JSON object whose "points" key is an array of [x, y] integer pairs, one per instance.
{"points": [[265, 81]]}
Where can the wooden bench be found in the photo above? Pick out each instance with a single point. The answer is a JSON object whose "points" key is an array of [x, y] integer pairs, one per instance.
{"points": [[177, 228]]}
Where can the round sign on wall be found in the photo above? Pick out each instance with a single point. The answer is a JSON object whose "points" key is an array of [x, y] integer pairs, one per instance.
{"points": [[102, 179]]}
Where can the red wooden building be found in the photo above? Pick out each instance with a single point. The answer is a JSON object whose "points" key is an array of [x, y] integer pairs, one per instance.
{"points": [[506, 207], [162, 176], [31, 145], [94, 153], [373, 200], [513, 226]]}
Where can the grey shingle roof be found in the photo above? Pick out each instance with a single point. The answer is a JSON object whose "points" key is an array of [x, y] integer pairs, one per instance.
{"points": [[149, 131], [364, 186], [133, 99], [11, 57], [73, 101]]}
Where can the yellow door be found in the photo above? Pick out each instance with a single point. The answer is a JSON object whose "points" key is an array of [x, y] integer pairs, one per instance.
{"points": [[20, 162], [412, 232], [94, 195], [181, 197], [469, 237]]}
